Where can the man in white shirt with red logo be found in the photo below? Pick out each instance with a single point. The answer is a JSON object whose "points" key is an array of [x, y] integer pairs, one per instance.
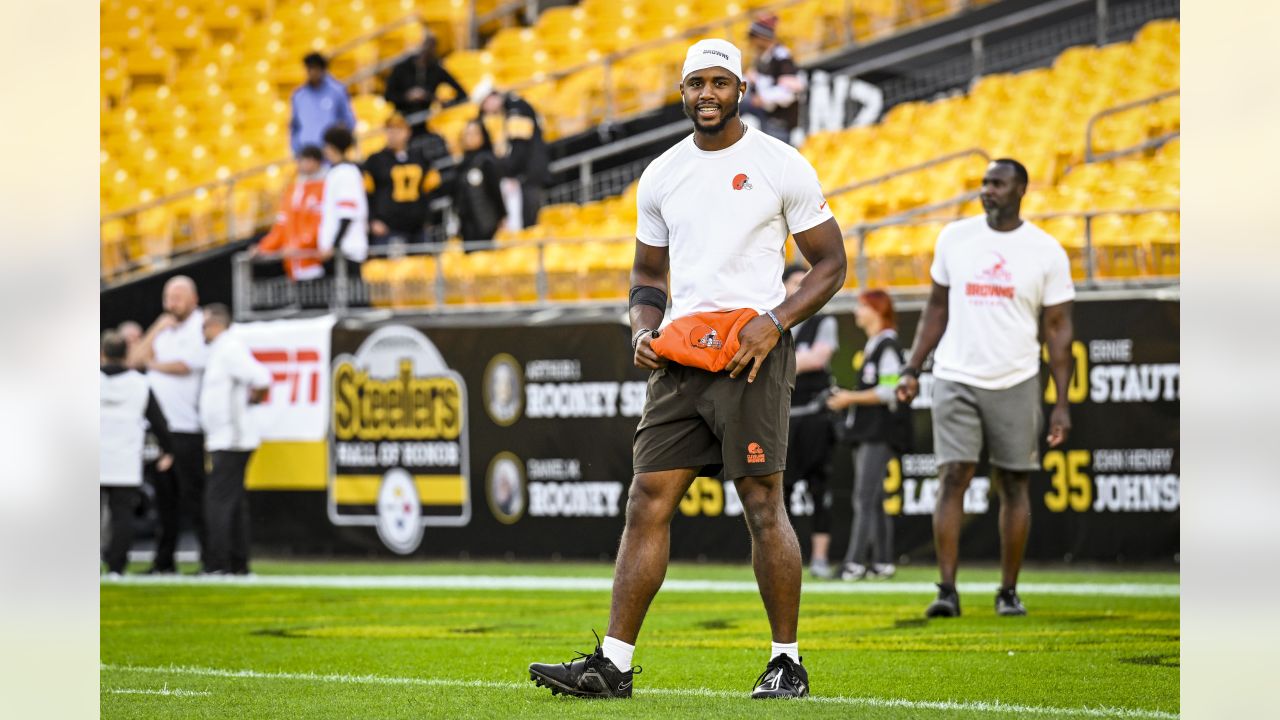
{"points": [[715, 210], [995, 279]]}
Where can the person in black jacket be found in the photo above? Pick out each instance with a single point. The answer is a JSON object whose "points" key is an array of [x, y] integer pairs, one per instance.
{"points": [[477, 197], [414, 82], [881, 429], [809, 431], [526, 164], [401, 182]]}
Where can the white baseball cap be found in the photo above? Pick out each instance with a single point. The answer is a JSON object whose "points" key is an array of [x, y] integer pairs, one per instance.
{"points": [[713, 53]]}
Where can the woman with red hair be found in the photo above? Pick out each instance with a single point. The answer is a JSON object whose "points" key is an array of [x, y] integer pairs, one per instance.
{"points": [[880, 429]]}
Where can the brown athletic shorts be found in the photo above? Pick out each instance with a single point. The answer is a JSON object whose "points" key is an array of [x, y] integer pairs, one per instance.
{"points": [[698, 419]]}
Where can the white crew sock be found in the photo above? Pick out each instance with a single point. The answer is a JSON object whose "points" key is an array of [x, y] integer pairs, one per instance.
{"points": [[618, 652], [792, 649]]}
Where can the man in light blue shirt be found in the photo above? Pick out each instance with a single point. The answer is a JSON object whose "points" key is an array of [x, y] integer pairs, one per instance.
{"points": [[318, 105]]}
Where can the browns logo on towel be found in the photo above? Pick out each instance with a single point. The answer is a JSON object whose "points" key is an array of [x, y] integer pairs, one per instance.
{"points": [[706, 340]]}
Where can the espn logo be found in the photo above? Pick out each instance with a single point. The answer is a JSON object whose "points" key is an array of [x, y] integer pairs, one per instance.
{"points": [[297, 370]]}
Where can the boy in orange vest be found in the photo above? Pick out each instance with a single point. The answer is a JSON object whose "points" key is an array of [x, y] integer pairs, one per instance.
{"points": [[298, 219]]}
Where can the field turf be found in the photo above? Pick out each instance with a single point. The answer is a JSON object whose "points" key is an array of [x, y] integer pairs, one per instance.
{"points": [[368, 640]]}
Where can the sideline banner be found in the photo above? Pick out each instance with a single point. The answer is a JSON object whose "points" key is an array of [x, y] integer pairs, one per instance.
{"points": [[294, 419], [516, 441]]}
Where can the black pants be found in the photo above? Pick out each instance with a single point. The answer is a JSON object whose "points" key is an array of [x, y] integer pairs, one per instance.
{"points": [[532, 198], [121, 503], [808, 452], [180, 493], [226, 509]]}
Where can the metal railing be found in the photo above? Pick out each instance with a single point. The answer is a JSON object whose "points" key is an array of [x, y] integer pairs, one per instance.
{"points": [[1091, 157], [441, 291]]}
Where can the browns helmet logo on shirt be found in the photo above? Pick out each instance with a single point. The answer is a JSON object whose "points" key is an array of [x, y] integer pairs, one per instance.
{"points": [[740, 182], [707, 337]]}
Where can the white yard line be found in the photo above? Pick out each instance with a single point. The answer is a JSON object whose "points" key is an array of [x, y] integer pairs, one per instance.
{"points": [[165, 691], [872, 702], [530, 582]]}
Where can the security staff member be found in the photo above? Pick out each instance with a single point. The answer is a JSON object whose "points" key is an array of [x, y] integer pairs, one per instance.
{"points": [[526, 162], [809, 429], [127, 407], [400, 182]]}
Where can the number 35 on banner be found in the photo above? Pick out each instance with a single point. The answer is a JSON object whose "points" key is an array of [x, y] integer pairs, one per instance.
{"points": [[1071, 485]]}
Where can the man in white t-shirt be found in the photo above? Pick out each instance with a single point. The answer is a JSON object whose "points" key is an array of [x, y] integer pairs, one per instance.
{"points": [[173, 354], [715, 210], [233, 380], [996, 279], [344, 213]]}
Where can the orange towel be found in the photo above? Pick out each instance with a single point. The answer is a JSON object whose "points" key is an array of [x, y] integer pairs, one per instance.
{"points": [[706, 340]]}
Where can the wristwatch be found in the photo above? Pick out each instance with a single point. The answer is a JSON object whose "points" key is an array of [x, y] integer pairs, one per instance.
{"points": [[910, 371]]}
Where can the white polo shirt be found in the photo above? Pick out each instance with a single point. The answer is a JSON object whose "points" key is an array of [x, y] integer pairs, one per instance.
{"points": [[224, 399], [999, 283], [724, 216], [178, 394]]}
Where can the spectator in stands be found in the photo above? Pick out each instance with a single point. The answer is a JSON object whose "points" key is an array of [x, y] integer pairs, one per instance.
{"points": [[127, 407], [173, 353], [298, 219], [881, 429], [414, 83], [319, 104], [1001, 286], [809, 429], [401, 183], [525, 165], [233, 381], [773, 85], [344, 213], [477, 193]]}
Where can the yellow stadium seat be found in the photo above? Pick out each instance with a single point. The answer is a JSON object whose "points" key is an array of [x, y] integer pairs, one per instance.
{"points": [[1117, 253]]}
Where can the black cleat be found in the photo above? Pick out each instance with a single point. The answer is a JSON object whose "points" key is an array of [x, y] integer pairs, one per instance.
{"points": [[782, 678], [946, 605], [1008, 602], [590, 676]]}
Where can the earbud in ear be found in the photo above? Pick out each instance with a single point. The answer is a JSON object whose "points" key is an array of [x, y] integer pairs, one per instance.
{"points": [[739, 96]]}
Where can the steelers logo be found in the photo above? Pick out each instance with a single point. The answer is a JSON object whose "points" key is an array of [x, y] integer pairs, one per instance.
{"points": [[399, 512]]}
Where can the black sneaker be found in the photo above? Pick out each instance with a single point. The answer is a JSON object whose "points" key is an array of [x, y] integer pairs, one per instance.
{"points": [[946, 605], [1008, 602], [782, 678], [590, 676]]}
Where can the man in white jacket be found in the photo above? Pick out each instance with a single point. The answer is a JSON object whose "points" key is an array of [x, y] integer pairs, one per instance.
{"points": [[233, 380], [127, 407]]}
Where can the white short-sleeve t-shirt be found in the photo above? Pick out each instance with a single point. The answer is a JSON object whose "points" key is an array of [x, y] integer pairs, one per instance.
{"points": [[344, 199], [178, 394], [724, 216], [999, 282]]}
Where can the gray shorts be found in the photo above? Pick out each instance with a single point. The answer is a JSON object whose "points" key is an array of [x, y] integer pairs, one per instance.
{"points": [[1009, 420]]}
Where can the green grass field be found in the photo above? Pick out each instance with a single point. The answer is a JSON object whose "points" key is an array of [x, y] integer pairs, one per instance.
{"points": [[415, 640]]}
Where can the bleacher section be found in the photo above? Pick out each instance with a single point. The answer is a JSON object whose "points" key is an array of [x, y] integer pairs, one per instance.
{"points": [[1130, 238], [196, 91]]}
